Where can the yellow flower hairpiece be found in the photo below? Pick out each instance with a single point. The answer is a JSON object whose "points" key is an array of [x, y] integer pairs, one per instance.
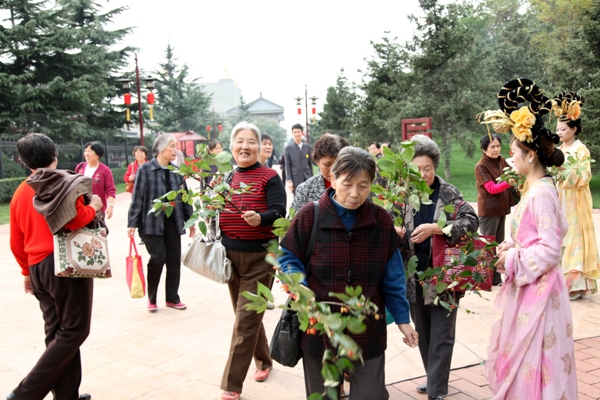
{"points": [[567, 109], [524, 121]]}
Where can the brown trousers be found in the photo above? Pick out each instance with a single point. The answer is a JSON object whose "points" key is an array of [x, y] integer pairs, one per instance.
{"points": [[66, 305], [248, 338]]}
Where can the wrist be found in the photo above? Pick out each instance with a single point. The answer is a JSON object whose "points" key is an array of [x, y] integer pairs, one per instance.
{"points": [[111, 205]]}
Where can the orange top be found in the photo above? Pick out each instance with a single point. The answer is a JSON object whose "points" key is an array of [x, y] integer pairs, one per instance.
{"points": [[30, 237]]}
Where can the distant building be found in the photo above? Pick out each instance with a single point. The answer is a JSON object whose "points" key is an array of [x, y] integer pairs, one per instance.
{"points": [[261, 108], [225, 94]]}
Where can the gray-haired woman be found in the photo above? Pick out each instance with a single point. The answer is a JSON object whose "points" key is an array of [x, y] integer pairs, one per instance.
{"points": [[246, 229], [435, 327], [161, 234]]}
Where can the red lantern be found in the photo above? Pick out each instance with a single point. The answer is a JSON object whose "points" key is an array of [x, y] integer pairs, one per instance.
{"points": [[151, 98], [208, 128], [314, 110], [299, 111], [127, 99], [220, 127]]}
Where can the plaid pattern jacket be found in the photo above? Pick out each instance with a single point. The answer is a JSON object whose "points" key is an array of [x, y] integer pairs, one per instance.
{"points": [[466, 221], [341, 258], [150, 184]]}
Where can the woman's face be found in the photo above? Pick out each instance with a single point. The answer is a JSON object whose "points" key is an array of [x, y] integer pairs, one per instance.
{"points": [[493, 150], [426, 168], [266, 149], [520, 158], [218, 148], [324, 165], [565, 132], [245, 148], [351, 193], [170, 152], [140, 155], [90, 155]]}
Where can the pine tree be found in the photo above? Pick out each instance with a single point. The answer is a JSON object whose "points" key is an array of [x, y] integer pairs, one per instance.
{"points": [[339, 109], [58, 77], [182, 105]]}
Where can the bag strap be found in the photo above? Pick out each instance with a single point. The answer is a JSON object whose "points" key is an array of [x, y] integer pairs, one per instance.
{"points": [[313, 236], [457, 208], [132, 245]]}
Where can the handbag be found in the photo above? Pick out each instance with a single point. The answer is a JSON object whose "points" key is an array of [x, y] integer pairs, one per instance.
{"points": [[82, 253], [443, 255], [285, 343], [207, 256], [129, 187], [135, 273]]}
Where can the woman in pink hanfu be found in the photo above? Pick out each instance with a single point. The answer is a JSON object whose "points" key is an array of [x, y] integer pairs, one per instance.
{"points": [[531, 352]]}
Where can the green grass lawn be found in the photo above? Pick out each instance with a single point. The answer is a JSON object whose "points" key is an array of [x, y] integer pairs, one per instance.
{"points": [[4, 210], [463, 176]]}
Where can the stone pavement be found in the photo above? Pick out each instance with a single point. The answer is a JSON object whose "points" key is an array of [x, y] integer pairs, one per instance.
{"points": [[132, 354]]}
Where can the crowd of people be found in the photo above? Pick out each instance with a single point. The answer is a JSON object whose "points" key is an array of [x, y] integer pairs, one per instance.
{"points": [[548, 259]]}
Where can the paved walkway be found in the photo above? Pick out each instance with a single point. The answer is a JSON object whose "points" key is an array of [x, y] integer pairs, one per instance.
{"points": [[173, 355]]}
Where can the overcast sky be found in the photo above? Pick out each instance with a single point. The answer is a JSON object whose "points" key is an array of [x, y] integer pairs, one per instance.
{"points": [[267, 46]]}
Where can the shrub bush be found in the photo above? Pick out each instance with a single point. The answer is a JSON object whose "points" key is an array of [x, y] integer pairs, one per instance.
{"points": [[8, 187], [12, 169], [118, 174]]}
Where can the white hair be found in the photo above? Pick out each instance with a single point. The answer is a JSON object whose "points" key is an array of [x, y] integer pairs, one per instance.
{"points": [[162, 142], [243, 126]]}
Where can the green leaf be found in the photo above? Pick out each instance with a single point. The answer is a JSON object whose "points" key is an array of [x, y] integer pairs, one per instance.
{"points": [[223, 157], [344, 364], [332, 392], [171, 195], [441, 222], [264, 291], [189, 223], [447, 230], [440, 287], [314, 396], [281, 222], [168, 211], [355, 326], [449, 208]]}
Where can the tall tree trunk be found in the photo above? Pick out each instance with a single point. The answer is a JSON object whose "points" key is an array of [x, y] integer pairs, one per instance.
{"points": [[446, 149]]}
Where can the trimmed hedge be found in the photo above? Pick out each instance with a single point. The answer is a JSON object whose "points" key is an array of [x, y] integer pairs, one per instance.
{"points": [[8, 187]]}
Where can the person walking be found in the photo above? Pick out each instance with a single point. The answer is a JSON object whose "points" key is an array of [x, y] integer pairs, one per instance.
{"points": [[298, 162], [66, 303], [103, 183], [141, 157], [161, 234]]}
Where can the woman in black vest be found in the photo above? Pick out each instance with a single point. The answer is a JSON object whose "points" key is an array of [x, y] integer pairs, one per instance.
{"points": [[356, 244]]}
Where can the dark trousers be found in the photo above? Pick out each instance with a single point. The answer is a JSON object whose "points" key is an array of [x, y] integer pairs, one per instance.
{"points": [[493, 226], [165, 249], [437, 331], [248, 338], [366, 381], [66, 305]]}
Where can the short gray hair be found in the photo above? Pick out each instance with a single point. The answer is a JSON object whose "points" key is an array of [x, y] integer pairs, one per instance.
{"points": [[424, 146], [352, 161], [242, 126], [162, 142]]}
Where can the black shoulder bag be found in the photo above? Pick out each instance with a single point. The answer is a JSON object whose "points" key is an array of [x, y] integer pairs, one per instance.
{"points": [[285, 343]]}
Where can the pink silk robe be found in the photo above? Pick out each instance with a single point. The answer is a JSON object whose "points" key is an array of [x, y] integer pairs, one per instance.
{"points": [[531, 352]]}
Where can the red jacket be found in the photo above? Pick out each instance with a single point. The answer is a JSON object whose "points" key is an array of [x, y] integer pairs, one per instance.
{"points": [[30, 237]]}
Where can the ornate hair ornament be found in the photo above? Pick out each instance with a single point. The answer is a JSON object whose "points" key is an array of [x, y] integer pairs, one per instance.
{"points": [[524, 122], [567, 106]]}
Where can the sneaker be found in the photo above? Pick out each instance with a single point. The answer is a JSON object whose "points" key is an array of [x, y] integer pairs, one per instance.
{"points": [[270, 306], [177, 306], [422, 388], [152, 307], [261, 375], [141, 243], [230, 396], [575, 296]]}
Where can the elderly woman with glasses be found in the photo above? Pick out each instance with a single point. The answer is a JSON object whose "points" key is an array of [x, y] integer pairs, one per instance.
{"points": [[246, 229]]}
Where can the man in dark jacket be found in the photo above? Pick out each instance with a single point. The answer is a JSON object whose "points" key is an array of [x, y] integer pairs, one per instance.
{"points": [[298, 160]]}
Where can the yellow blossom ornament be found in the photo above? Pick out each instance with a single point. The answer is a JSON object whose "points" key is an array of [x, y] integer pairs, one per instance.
{"points": [[524, 121]]}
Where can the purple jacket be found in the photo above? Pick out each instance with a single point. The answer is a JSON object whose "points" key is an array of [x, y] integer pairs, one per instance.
{"points": [[103, 183]]}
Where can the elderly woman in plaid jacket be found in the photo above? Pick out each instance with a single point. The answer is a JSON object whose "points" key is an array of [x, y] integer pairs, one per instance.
{"points": [[356, 245], [161, 234]]}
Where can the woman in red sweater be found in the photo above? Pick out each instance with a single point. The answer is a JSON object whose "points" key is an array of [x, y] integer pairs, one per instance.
{"points": [[141, 157], [66, 303]]}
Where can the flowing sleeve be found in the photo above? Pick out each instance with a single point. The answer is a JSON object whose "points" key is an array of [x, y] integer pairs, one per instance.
{"points": [[578, 180], [541, 230]]}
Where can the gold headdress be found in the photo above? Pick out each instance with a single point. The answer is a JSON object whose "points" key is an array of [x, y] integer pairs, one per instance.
{"points": [[567, 106]]}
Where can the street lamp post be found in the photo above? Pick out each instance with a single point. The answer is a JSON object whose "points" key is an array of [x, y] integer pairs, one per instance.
{"points": [[313, 106], [126, 87], [216, 125]]}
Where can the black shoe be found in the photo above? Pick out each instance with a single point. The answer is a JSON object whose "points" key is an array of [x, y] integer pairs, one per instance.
{"points": [[422, 388], [85, 396], [11, 396], [435, 398]]}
